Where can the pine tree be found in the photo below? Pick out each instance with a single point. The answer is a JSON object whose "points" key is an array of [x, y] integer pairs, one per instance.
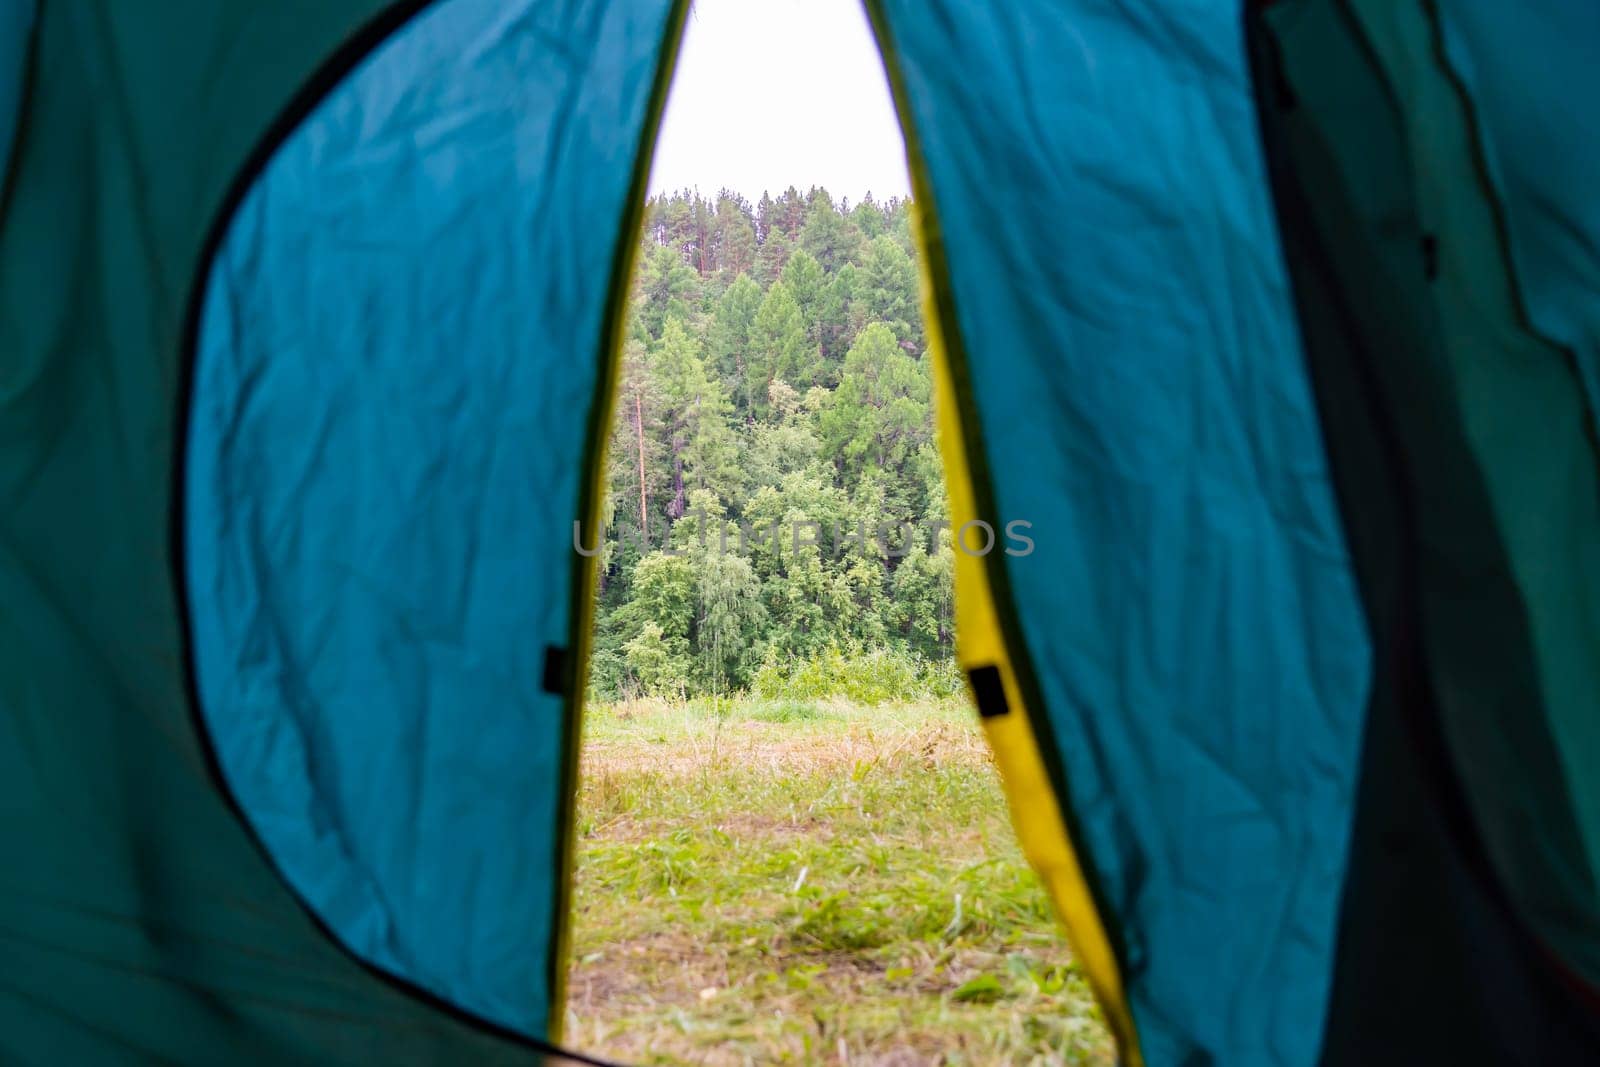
{"points": [[729, 340], [887, 290], [766, 212], [779, 349], [804, 278], [879, 414], [736, 235], [634, 450], [771, 256], [831, 238], [868, 217], [665, 285], [791, 213], [693, 416]]}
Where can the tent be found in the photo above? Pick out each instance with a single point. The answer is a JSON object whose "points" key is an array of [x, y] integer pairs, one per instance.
{"points": [[304, 372]]}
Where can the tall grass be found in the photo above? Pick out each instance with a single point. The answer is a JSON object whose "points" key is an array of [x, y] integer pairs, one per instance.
{"points": [[799, 880]]}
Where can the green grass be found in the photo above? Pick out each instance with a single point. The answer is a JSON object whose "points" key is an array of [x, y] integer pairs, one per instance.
{"points": [[794, 882]]}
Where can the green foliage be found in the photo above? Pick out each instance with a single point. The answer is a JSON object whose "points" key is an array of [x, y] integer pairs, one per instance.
{"points": [[665, 284], [655, 663], [879, 413], [693, 413], [731, 616], [729, 340], [832, 238], [785, 711], [780, 348], [657, 657], [984, 989], [877, 677], [774, 377], [887, 290]]}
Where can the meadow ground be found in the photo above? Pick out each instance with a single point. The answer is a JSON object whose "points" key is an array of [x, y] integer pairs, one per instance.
{"points": [[794, 882]]}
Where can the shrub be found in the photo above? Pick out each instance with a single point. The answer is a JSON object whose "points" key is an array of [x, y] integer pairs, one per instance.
{"points": [[785, 711], [873, 677]]}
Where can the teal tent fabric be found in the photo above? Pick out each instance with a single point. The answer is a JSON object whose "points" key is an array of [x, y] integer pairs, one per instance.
{"points": [[1138, 393], [16, 30], [392, 392], [1533, 80], [139, 921]]}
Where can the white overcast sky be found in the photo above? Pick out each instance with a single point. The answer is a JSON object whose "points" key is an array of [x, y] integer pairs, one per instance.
{"points": [[773, 93]]}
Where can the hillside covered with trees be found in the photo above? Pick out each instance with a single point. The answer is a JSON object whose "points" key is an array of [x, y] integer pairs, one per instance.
{"points": [[775, 391]]}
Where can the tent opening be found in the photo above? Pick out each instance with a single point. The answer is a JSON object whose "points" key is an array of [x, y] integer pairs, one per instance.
{"points": [[791, 838]]}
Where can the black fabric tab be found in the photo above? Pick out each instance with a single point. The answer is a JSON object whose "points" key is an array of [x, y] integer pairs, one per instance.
{"points": [[989, 691], [555, 669]]}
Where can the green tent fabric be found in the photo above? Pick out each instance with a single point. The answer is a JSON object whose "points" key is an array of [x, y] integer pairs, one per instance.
{"points": [[304, 378], [1467, 481], [1522, 410], [16, 29], [1529, 80]]}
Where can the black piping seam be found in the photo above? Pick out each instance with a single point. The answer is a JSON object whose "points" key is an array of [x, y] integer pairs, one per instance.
{"points": [[30, 65], [330, 74], [590, 491], [1581, 984], [982, 487], [1502, 222], [1289, 201], [1425, 720]]}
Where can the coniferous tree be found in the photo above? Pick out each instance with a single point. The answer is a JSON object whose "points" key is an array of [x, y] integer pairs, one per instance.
{"points": [[729, 340], [772, 256], [829, 237], [693, 416], [665, 285], [879, 414], [887, 289], [779, 348], [736, 235]]}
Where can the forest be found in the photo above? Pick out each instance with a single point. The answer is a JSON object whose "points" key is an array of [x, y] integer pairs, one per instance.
{"points": [[774, 516]]}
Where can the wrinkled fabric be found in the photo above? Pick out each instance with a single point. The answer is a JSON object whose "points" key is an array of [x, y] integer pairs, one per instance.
{"points": [[1457, 443], [16, 30], [140, 921], [1532, 74], [396, 369], [1140, 397], [1523, 572]]}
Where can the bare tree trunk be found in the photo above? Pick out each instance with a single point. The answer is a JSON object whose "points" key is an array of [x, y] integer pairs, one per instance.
{"points": [[638, 426], [680, 503]]}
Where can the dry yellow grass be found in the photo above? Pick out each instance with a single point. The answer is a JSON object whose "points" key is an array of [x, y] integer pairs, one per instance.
{"points": [[803, 883]]}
